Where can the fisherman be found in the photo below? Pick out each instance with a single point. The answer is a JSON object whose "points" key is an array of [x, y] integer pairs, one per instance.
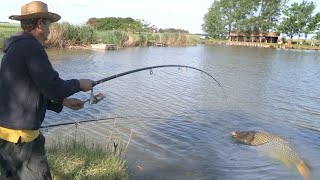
{"points": [[28, 87]]}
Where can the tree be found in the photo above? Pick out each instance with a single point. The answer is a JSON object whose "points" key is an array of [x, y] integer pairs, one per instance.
{"points": [[173, 30], [306, 10], [298, 19], [313, 25], [113, 23], [267, 14], [290, 22], [224, 16], [145, 26], [317, 36], [213, 24]]}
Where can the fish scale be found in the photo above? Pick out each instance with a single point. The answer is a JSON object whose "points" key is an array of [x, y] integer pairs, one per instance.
{"points": [[263, 137], [275, 148]]}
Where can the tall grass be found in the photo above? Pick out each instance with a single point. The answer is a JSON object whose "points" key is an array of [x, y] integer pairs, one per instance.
{"points": [[65, 34], [79, 160]]}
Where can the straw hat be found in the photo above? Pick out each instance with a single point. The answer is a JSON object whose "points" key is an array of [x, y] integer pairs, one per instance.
{"points": [[35, 9]]}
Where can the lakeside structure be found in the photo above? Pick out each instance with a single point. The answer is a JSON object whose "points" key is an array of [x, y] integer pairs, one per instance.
{"points": [[265, 40], [268, 37], [254, 40]]}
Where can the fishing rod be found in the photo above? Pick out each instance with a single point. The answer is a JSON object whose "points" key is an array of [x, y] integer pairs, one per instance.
{"points": [[150, 68], [100, 119], [94, 99]]}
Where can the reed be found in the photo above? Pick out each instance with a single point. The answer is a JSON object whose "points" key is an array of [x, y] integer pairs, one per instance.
{"points": [[174, 38], [65, 34]]}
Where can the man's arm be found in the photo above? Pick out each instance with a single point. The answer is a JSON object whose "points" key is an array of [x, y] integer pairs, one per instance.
{"points": [[46, 78]]}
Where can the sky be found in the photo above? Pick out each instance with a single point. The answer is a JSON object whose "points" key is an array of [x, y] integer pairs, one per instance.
{"points": [[182, 14]]}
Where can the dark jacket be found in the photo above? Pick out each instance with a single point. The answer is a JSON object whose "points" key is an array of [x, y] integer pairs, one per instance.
{"points": [[29, 85]]}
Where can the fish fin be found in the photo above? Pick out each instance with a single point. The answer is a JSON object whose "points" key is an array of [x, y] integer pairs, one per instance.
{"points": [[304, 170]]}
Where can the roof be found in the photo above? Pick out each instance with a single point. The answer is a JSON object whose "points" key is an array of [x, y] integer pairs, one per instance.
{"points": [[265, 34]]}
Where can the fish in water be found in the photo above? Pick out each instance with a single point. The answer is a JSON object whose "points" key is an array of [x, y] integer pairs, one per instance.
{"points": [[274, 147]]}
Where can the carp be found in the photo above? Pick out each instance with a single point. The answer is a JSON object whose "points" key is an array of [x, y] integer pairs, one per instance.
{"points": [[274, 147]]}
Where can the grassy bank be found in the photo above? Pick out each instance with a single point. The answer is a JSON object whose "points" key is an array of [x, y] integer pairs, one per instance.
{"points": [[79, 160], [65, 34]]}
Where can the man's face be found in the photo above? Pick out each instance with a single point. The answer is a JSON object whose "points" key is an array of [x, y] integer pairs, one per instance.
{"points": [[44, 27]]}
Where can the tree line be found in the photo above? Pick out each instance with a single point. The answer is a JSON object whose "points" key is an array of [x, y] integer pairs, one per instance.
{"points": [[128, 24], [261, 16]]}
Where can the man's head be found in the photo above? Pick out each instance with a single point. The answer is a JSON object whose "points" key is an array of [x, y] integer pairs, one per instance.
{"points": [[36, 19]]}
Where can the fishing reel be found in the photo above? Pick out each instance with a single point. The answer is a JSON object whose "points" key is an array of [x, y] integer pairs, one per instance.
{"points": [[94, 99]]}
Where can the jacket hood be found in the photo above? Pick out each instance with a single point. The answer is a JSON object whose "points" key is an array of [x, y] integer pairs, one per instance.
{"points": [[13, 39]]}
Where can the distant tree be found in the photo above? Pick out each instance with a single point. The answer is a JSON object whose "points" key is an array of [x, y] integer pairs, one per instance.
{"points": [[298, 19], [213, 23], [225, 16], [312, 25], [317, 36], [115, 23], [145, 26], [290, 22], [306, 11], [267, 14], [173, 30]]}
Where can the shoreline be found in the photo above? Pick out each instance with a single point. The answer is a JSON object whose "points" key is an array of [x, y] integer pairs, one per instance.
{"points": [[268, 45], [229, 43]]}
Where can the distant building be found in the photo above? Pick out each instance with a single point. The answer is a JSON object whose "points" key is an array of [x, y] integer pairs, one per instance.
{"points": [[203, 37], [268, 37]]}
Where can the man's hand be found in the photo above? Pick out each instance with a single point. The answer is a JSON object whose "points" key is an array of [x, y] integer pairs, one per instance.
{"points": [[86, 84], [73, 103]]}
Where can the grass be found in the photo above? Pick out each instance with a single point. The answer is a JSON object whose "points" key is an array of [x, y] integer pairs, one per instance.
{"points": [[7, 30], [78, 160], [65, 34]]}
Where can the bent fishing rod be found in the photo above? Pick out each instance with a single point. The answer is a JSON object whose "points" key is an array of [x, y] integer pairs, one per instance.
{"points": [[150, 68], [94, 99]]}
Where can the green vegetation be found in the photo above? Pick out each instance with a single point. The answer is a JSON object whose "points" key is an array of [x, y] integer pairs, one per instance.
{"points": [[128, 24], [65, 34], [317, 36], [113, 23], [255, 16], [298, 19], [78, 160], [7, 30]]}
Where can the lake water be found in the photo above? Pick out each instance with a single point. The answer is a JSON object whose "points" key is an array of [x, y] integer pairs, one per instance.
{"points": [[179, 121]]}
